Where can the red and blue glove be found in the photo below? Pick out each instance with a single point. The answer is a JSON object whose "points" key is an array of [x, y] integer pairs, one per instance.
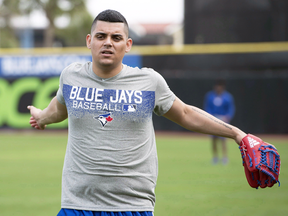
{"points": [[261, 162]]}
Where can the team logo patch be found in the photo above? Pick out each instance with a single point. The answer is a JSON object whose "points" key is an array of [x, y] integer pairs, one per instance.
{"points": [[104, 118]]}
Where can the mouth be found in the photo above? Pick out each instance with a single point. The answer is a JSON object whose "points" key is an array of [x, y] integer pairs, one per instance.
{"points": [[107, 52]]}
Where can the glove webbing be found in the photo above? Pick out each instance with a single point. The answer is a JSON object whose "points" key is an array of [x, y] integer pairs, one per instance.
{"points": [[270, 153], [263, 161]]}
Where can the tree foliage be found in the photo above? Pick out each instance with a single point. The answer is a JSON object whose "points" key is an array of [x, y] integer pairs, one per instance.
{"points": [[76, 10], [8, 8]]}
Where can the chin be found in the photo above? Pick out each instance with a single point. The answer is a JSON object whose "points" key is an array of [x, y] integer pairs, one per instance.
{"points": [[106, 63]]}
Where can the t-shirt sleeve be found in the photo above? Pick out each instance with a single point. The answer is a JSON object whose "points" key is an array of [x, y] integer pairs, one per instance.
{"points": [[164, 97]]}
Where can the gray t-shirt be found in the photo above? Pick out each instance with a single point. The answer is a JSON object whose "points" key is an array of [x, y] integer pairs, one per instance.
{"points": [[111, 159]]}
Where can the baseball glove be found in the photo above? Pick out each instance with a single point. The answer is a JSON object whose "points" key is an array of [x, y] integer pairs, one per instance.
{"points": [[261, 162]]}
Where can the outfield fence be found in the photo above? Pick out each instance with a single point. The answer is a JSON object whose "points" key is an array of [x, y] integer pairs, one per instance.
{"points": [[255, 73]]}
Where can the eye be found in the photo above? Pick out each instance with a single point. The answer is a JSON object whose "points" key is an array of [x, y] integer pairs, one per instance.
{"points": [[117, 38], [99, 36]]}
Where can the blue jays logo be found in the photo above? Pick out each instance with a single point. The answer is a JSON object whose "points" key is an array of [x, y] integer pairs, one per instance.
{"points": [[104, 118]]}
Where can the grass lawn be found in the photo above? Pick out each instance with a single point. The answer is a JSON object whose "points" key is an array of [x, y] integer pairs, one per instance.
{"points": [[188, 184], [31, 166]]}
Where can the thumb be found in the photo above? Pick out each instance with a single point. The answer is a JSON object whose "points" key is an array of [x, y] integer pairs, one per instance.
{"points": [[29, 107]]}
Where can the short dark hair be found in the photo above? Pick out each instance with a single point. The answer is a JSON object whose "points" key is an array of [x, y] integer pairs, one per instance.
{"points": [[220, 82], [111, 16]]}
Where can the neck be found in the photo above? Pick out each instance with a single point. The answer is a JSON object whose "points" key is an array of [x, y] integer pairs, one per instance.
{"points": [[106, 71]]}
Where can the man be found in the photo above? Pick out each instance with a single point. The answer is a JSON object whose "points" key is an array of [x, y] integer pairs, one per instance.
{"points": [[110, 165], [219, 103]]}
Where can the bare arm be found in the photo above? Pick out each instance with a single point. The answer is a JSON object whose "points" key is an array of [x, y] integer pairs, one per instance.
{"points": [[55, 112], [195, 119]]}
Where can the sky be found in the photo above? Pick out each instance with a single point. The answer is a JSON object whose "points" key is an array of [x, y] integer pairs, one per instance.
{"points": [[142, 11]]}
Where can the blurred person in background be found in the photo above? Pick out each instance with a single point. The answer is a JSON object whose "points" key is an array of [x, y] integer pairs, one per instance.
{"points": [[219, 103], [111, 165]]}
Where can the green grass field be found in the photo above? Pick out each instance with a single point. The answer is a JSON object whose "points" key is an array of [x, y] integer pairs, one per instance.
{"points": [[31, 167]]}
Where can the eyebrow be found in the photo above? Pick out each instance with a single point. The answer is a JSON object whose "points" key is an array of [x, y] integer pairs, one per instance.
{"points": [[102, 33]]}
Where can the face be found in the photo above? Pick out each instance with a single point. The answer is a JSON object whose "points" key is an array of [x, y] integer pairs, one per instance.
{"points": [[108, 43], [219, 89]]}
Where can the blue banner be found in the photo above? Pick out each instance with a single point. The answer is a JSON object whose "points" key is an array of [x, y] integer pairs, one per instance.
{"points": [[47, 66]]}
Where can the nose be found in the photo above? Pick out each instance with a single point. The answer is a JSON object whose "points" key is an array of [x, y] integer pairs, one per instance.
{"points": [[108, 42]]}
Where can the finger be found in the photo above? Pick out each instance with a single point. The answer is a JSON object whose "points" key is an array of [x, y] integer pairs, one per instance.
{"points": [[30, 107], [34, 125], [32, 121]]}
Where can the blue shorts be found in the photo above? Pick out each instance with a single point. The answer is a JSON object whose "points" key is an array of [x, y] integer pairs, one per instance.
{"points": [[73, 212]]}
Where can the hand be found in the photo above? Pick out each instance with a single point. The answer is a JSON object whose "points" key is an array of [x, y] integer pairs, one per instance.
{"points": [[35, 118]]}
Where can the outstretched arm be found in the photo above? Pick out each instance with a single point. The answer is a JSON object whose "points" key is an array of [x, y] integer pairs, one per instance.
{"points": [[195, 119], [55, 112]]}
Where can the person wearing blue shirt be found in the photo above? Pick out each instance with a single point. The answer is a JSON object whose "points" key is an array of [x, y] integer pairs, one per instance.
{"points": [[220, 103]]}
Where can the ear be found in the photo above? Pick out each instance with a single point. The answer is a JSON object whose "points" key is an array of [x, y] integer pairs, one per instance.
{"points": [[88, 41], [129, 43]]}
